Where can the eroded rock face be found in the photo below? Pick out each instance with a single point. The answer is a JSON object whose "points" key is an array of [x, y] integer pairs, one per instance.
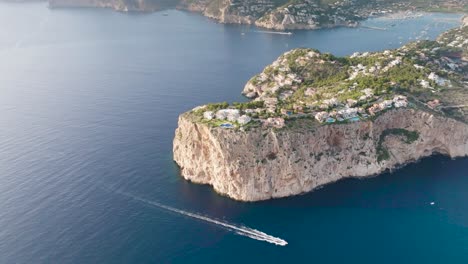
{"points": [[265, 163]]}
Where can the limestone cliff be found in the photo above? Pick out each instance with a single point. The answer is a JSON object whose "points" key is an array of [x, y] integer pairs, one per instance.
{"points": [[317, 118], [262, 164]]}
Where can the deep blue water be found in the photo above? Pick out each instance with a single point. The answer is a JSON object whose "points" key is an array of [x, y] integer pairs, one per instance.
{"points": [[89, 101]]}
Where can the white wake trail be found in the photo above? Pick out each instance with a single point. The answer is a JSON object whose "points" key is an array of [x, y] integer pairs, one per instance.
{"points": [[241, 230]]}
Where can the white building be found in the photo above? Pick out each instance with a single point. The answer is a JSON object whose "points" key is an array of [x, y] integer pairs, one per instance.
{"points": [[400, 101], [348, 113], [229, 114], [321, 116], [439, 80], [424, 84], [209, 115], [386, 104]]}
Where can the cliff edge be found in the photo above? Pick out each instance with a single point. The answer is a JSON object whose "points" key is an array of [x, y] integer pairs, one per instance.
{"points": [[266, 163], [315, 118]]}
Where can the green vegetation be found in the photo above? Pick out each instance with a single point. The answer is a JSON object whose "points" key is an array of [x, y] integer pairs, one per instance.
{"points": [[304, 88], [409, 138], [216, 106], [248, 105]]}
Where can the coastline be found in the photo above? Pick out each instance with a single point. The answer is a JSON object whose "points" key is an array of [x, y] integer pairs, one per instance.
{"points": [[144, 7]]}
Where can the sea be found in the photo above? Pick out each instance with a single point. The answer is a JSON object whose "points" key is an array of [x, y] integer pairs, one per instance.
{"points": [[89, 101]]}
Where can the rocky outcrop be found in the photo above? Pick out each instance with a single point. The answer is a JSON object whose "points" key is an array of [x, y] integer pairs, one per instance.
{"points": [[268, 163], [228, 11], [359, 131]]}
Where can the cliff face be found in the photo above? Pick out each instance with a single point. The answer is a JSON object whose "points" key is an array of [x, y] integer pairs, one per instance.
{"points": [[317, 118], [266, 163]]}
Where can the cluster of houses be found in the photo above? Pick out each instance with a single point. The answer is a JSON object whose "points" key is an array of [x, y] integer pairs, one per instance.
{"points": [[233, 116], [398, 102], [230, 115], [344, 12], [451, 63], [350, 114], [280, 88], [438, 80], [253, 8], [356, 113]]}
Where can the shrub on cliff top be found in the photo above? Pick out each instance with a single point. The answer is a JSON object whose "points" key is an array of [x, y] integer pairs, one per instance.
{"points": [[382, 152]]}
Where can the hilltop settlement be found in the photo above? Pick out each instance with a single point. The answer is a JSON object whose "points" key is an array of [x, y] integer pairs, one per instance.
{"points": [[306, 84], [314, 118]]}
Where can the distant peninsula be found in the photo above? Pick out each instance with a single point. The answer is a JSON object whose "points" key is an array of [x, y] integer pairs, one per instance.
{"points": [[315, 118], [278, 14]]}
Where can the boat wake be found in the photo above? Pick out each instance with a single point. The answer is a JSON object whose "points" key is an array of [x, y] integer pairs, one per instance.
{"points": [[240, 230]]}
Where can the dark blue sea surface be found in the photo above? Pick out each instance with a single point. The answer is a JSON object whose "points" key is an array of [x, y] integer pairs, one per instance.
{"points": [[89, 101]]}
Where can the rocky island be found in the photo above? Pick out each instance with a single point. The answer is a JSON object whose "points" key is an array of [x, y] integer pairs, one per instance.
{"points": [[314, 118]]}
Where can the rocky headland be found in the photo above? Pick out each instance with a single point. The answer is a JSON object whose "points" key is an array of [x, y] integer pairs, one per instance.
{"points": [[315, 119]]}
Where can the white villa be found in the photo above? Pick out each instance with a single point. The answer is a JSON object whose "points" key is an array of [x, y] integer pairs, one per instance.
{"points": [[439, 80], [400, 101], [209, 115], [229, 114]]}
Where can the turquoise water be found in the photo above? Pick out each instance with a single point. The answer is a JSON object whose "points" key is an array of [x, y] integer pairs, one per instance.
{"points": [[89, 102]]}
